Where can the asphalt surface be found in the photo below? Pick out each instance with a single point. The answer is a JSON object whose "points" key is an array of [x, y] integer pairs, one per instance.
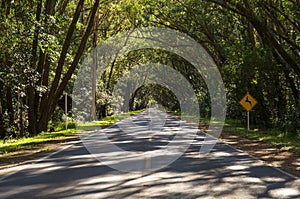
{"points": [[72, 172]]}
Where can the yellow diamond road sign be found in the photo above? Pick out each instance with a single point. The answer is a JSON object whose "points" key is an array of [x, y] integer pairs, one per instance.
{"points": [[248, 102]]}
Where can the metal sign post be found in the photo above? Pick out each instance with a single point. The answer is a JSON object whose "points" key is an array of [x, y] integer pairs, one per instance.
{"points": [[248, 102], [66, 109], [248, 120]]}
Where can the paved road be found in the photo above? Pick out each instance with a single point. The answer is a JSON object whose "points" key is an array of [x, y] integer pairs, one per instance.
{"points": [[72, 172]]}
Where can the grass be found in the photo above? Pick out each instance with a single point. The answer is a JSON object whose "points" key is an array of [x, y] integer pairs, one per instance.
{"points": [[88, 126], [11, 145], [274, 136]]}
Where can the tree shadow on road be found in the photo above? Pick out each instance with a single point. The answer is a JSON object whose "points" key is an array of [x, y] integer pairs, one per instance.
{"points": [[224, 173]]}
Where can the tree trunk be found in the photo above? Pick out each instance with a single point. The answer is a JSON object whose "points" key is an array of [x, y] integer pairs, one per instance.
{"points": [[267, 35], [243, 8], [2, 132], [22, 130], [95, 66], [32, 120], [57, 89]]}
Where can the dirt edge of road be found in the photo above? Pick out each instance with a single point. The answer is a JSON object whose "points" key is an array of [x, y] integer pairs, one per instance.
{"points": [[286, 160], [24, 156]]}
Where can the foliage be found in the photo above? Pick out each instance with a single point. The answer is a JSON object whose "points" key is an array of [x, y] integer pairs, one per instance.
{"points": [[254, 44], [292, 124], [40, 55]]}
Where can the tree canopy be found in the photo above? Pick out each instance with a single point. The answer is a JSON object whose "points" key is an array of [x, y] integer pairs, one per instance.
{"points": [[255, 45]]}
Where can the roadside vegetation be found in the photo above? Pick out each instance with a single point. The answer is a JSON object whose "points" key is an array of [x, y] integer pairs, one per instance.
{"points": [[281, 138], [255, 46], [286, 137], [9, 145]]}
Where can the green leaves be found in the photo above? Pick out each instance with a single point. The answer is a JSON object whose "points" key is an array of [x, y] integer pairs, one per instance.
{"points": [[255, 45]]}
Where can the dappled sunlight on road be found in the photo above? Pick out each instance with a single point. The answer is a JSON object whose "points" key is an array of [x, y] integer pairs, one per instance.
{"points": [[284, 193], [218, 175], [223, 173]]}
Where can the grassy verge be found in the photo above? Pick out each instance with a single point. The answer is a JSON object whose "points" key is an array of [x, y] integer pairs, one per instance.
{"points": [[273, 136], [88, 126], [11, 145]]}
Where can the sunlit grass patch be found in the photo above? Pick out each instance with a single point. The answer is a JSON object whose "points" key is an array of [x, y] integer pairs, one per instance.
{"points": [[88, 126], [109, 120], [136, 112], [11, 145]]}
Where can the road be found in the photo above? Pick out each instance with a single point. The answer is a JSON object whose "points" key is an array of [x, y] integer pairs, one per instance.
{"points": [[72, 172]]}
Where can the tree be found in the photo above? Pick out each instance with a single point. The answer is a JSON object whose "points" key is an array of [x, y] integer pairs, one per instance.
{"points": [[51, 48], [39, 118], [254, 44]]}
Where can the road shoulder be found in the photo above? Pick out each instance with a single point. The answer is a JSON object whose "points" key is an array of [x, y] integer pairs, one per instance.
{"points": [[287, 160]]}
